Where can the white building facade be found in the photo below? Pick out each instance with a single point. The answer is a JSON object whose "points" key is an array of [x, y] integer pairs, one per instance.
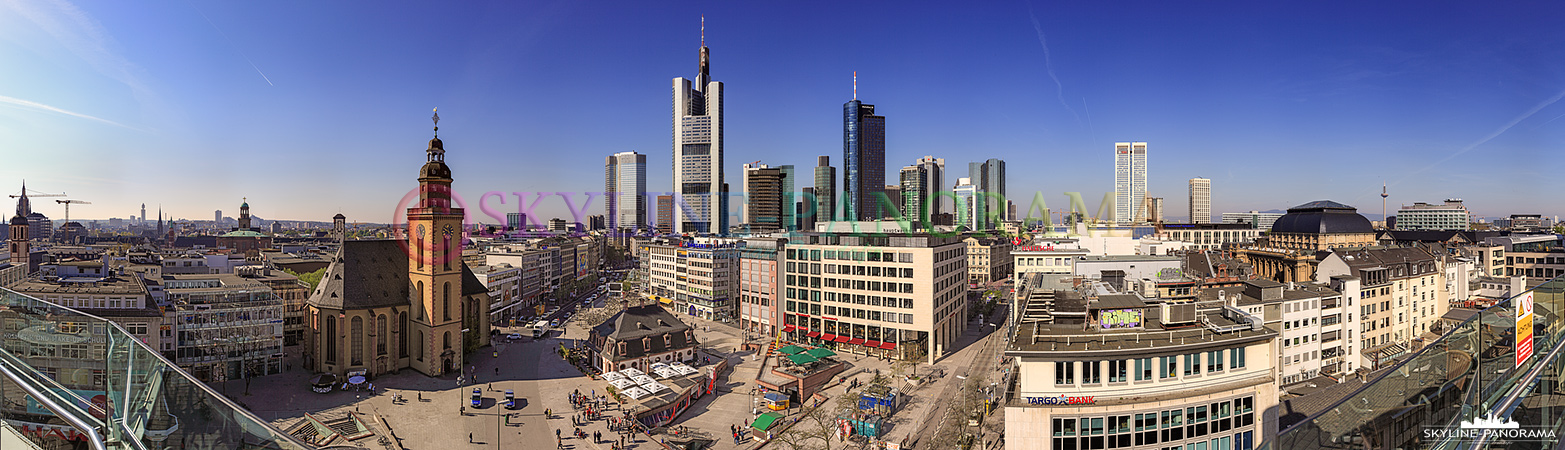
{"points": [[1130, 182], [699, 189]]}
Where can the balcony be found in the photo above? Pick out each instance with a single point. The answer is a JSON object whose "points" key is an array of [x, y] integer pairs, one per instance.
{"points": [[153, 401]]}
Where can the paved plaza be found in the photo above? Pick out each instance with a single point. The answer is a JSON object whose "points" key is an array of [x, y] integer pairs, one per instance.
{"points": [[435, 414]]}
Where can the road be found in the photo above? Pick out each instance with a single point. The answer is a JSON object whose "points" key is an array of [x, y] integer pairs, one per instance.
{"points": [[976, 359]]}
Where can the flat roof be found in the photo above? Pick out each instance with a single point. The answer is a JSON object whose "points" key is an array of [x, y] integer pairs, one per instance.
{"points": [[1073, 342]]}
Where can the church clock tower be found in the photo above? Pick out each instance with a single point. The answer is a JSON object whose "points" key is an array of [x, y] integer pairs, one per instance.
{"points": [[435, 268], [20, 247]]}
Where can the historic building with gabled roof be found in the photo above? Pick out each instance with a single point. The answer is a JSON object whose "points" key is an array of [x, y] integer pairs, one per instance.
{"points": [[640, 336], [386, 305]]}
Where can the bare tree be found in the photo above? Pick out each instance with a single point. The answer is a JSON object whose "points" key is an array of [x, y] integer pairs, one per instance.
{"points": [[815, 429], [968, 400]]}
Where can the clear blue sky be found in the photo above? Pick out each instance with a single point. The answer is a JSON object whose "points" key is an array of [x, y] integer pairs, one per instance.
{"points": [[314, 108]]}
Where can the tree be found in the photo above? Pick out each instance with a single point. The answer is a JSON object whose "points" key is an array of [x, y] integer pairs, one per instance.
{"points": [[969, 398], [310, 279]]}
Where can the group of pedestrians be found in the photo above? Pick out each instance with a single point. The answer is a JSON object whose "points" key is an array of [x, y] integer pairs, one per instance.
{"points": [[591, 406]]}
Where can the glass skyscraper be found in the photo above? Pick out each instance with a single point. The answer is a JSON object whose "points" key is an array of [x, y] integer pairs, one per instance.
{"points": [[825, 190], [625, 187], [864, 161]]}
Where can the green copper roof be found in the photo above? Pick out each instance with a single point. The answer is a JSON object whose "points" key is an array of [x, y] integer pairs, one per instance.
{"points": [[243, 233]]}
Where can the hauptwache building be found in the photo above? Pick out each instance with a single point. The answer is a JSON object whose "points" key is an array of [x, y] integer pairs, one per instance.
{"points": [[1114, 372]]}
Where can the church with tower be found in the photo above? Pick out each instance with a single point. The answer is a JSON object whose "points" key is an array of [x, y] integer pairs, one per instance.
{"points": [[244, 238], [411, 303]]}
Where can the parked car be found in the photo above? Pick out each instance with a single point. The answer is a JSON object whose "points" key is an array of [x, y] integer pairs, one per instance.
{"points": [[478, 397], [513, 337]]}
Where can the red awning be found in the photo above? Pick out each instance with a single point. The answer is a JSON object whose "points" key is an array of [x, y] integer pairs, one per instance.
{"points": [[828, 337], [813, 334], [872, 344], [844, 338], [788, 328], [856, 341], [888, 345]]}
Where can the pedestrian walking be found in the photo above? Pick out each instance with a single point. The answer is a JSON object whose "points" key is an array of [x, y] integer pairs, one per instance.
{"points": [[469, 438]]}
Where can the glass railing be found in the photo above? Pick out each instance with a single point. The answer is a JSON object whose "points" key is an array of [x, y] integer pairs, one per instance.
{"points": [[1467, 373], [91, 373]]}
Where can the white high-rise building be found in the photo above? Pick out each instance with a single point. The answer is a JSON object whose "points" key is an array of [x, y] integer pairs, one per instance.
{"points": [[968, 207], [701, 201], [625, 188], [1451, 215], [1130, 182], [1200, 200]]}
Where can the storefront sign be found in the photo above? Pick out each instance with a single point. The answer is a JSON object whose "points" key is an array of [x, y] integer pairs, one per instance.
{"points": [[1034, 248], [1061, 400]]}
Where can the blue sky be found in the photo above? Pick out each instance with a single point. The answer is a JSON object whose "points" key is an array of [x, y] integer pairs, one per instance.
{"points": [[314, 108]]}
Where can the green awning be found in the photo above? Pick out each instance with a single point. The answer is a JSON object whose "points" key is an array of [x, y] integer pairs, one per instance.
{"points": [[765, 422], [821, 352], [802, 358], [791, 350]]}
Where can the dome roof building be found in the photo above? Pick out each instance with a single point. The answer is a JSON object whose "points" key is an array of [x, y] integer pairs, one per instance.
{"points": [[1292, 250]]}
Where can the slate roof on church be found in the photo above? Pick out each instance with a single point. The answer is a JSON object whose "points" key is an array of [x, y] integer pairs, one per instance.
{"points": [[374, 274]]}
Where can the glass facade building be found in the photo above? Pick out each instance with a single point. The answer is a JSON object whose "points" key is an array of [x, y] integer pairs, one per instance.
{"points": [[864, 161]]}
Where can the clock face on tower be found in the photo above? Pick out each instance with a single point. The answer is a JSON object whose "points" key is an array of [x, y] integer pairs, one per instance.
{"points": [[449, 229], [421, 229]]}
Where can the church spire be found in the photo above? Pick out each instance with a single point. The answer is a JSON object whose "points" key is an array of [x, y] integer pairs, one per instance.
{"points": [[23, 205]]}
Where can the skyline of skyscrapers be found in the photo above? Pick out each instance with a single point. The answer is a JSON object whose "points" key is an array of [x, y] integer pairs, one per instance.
{"points": [[1130, 182], [864, 160], [988, 180], [698, 152], [625, 187], [1200, 200]]}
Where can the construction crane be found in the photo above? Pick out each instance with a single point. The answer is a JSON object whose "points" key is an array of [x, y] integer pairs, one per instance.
{"points": [[67, 227], [25, 194]]}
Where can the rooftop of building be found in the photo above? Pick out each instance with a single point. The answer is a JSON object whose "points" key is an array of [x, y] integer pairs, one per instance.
{"points": [[1060, 340], [1322, 217], [111, 285], [1247, 295], [1129, 258]]}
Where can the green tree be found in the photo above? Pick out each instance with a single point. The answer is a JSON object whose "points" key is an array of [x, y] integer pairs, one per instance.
{"points": [[310, 279]]}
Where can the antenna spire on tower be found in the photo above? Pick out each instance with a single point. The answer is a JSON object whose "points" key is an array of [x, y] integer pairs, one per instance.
{"points": [[855, 85], [703, 30]]}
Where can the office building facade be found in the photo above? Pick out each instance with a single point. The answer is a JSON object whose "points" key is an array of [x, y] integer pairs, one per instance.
{"points": [[988, 179], [826, 198], [624, 190], [768, 204], [665, 214], [1451, 215], [1257, 219], [864, 161], [1130, 182], [1200, 200], [899, 296], [1111, 375], [698, 153]]}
